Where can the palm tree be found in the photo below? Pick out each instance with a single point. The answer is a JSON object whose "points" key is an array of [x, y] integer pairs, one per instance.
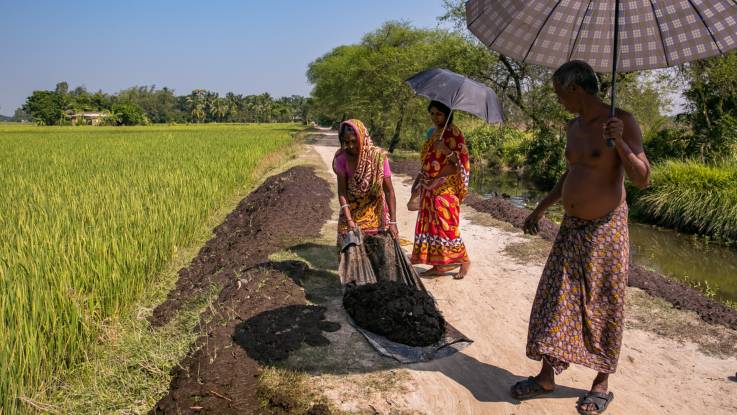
{"points": [[220, 109], [265, 103], [196, 102], [234, 104], [198, 112]]}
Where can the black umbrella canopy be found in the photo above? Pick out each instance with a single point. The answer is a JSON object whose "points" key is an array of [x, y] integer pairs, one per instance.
{"points": [[458, 93]]}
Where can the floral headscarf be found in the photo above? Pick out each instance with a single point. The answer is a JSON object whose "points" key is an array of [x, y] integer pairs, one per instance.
{"points": [[369, 174]]}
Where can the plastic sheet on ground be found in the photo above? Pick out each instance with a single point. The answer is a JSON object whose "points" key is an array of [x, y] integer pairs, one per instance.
{"points": [[371, 256]]}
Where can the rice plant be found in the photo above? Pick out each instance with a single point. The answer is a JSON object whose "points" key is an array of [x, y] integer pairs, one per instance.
{"points": [[89, 216]]}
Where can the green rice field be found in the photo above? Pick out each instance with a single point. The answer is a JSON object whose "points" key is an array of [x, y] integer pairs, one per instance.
{"points": [[90, 216]]}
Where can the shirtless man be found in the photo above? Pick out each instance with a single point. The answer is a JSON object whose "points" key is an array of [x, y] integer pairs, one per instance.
{"points": [[577, 316]]}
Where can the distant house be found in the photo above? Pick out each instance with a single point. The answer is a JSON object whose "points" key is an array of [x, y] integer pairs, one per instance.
{"points": [[86, 118]]}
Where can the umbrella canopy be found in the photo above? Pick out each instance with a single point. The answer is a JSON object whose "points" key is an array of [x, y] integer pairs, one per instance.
{"points": [[610, 35], [652, 33], [458, 93]]}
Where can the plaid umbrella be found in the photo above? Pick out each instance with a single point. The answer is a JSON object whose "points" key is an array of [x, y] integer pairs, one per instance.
{"points": [[643, 34]]}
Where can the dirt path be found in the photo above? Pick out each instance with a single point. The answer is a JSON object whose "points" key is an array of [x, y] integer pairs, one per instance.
{"points": [[682, 370]]}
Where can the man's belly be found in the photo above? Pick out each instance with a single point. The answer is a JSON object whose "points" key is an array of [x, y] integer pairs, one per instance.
{"points": [[591, 194]]}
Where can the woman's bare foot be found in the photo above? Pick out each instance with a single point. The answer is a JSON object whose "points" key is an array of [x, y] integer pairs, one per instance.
{"points": [[465, 267], [437, 271]]}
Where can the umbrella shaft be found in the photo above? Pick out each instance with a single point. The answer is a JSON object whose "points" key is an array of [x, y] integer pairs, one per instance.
{"points": [[442, 133], [615, 58]]}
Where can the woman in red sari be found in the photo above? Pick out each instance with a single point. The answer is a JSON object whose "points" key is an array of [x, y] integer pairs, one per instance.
{"points": [[443, 183]]}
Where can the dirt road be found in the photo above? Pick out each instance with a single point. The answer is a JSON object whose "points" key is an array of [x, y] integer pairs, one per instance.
{"points": [[663, 369]]}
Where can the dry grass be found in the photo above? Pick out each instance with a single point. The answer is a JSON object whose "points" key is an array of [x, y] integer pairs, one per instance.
{"points": [[484, 219], [285, 391], [660, 317], [532, 251]]}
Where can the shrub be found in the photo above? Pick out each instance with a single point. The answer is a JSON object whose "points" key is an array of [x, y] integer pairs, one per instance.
{"points": [[692, 197], [497, 146], [545, 158], [129, 114], [669, 143]]}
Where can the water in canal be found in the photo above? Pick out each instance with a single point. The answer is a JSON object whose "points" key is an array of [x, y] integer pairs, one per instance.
{"points": [[668, 252]]}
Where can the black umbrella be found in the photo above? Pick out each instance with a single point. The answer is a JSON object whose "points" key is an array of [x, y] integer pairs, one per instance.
{"points": [[458, 93]]}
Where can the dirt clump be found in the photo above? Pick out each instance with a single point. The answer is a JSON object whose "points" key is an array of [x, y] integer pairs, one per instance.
{"points": [[220, 374], [286, 206], [505, 211], [395, 311], [682, 296]]}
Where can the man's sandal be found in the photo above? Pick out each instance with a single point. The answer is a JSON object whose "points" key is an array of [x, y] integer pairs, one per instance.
{"points": [[599, 400], [533, 388]]}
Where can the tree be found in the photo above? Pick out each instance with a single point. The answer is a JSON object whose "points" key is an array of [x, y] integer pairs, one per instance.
{"points": [[62, 88], [234, 105], [143, 104], [46, 107], [220, 109], [160, 105], [129, 114], [196, 103], [21, 115], [366, 80], [712, 106]]}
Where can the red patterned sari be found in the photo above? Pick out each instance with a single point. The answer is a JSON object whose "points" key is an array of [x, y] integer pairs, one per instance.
{"points": [[437, 238]]}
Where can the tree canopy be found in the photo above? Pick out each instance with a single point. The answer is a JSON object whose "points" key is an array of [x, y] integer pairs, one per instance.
{"points": [[147, 104], [366, 80]]}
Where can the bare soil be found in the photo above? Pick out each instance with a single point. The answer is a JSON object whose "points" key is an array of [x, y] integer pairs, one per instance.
{"points": [[261, 313]]}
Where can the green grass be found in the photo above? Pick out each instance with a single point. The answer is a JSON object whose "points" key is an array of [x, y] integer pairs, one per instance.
{"points": [[498, 146], [129, 368], [91, 216], [692, 197]]}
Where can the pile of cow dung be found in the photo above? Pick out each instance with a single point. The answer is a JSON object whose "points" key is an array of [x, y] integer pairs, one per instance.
{"points": [[395, 311]]}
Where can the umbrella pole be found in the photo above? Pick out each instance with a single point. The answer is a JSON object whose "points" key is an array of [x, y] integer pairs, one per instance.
{"points": [[447, 119], [615, 58]]}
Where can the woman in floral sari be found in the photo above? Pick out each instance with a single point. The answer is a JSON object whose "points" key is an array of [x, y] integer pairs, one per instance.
{"points": [[368, 204], [443, 183], [365, 188]]}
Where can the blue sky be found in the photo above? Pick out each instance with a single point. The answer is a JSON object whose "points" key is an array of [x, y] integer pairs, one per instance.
{"points": [[243, 46]]}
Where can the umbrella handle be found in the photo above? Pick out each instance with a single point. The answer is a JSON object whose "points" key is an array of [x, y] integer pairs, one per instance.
{"points": [[615, 57], [447, 119]]}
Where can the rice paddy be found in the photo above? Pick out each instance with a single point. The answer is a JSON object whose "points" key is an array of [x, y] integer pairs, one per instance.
{"points": [[90, 215]]}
